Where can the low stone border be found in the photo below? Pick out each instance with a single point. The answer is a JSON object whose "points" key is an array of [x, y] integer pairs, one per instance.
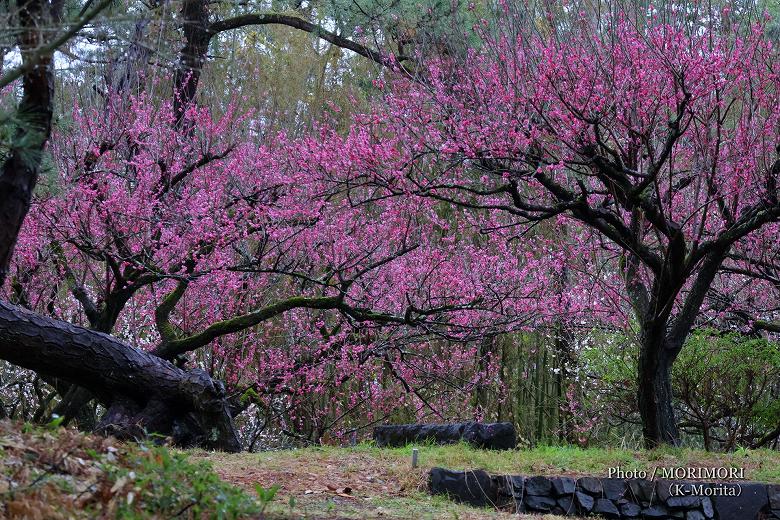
{"points": [[610, 497], [493, 436]]}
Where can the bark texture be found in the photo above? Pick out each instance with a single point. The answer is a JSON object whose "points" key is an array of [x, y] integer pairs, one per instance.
{"points": [[142, 392], [493, 436], [655, 397], [19, 172]]}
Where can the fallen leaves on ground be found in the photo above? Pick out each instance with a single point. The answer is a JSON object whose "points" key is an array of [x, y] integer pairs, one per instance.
{"points": [[43, 475]]}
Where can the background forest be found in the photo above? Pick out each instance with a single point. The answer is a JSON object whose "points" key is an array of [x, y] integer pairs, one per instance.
{"points": [[335, 214]]}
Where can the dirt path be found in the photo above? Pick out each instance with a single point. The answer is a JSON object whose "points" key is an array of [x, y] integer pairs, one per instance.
{"points": [[345, 484]]}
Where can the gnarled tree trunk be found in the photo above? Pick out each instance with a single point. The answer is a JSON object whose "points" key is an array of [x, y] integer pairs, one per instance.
{"points": [[19, 172], [143, 393], [655, 392]]}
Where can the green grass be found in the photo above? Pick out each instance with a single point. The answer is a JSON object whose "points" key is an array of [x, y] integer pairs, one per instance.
{"points": [[759, 465], [383, 484], [48, 471], [417, 505], [51, 472]]}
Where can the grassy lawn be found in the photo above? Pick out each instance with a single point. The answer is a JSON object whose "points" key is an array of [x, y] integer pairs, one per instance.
{"points": [[50, 472], [368, 482]]}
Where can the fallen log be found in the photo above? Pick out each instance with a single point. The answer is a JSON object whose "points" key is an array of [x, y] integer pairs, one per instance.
{"points": [[143, 393]]}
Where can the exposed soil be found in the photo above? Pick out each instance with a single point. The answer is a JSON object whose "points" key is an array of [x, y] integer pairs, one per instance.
{"points": [[344, 484]]}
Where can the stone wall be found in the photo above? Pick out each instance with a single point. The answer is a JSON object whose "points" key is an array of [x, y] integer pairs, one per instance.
{"points": [[611, 497], [493, 436]]}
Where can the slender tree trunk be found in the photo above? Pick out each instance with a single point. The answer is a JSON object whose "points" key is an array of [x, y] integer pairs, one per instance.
{"points": [[706, 432], [655, 390], [75, 404], [192, 56]]}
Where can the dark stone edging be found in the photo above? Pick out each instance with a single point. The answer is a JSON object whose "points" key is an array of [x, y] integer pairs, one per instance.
{"points": [[494, 436], [610, 497]]}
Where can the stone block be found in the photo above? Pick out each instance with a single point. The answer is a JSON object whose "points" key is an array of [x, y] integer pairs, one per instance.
{"points": [[747, 505], [538, 486], [641, 490], [773, 492], [590, 485], [584, 502], [471, 487], [542, 504], [564, 486], [498, 436], [614, 488], [606, 508], [683, 502], [630, 510], [566, 503]]}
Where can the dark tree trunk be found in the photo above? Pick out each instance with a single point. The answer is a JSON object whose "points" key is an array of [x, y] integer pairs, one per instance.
{"points": [[192, 56], [19, 172], [655, 390], [76, 401], [75, 404], [662, 339], [143, 393]]}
